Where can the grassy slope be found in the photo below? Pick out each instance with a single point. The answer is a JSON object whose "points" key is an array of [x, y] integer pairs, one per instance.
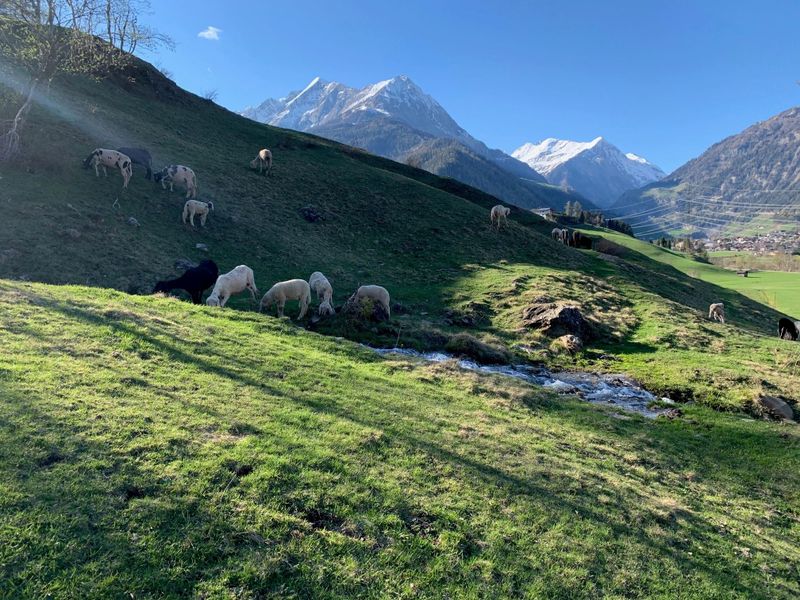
{"points": [[149, 448], [425, 238], [780, 290]]}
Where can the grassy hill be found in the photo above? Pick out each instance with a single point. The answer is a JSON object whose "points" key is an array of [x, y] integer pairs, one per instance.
{"points": [[777, 289], [151, 448], [427, 239]]}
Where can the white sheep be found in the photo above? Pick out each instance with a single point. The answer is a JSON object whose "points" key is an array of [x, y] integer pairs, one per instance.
{"points": [[294, 289], [499, 212], [263, 161], [717, 312], [234, 281], [196, 207], [375, 293], [103, 157], [557, 235], [320, 285], [178, 174]]}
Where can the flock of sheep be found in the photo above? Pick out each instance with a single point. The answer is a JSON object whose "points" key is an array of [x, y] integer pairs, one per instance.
{"points": [[196, 280]]}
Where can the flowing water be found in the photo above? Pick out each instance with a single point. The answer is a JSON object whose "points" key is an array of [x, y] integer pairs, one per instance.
{"points": [[616, 391]]}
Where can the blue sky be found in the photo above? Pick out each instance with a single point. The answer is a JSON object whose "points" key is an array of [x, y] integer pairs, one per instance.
{"points": [[662, 79]]}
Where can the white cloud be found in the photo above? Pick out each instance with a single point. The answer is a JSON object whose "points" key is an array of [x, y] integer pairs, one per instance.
{"points": [[210, 33]]}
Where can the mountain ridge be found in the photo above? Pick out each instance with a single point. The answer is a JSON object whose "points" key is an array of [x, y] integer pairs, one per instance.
{"points": [[596, 169]]}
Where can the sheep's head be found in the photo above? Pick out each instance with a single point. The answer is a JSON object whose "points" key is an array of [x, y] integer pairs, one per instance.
{"points": [[212, 301], [325, 308], [158, 176], [210, 205]]}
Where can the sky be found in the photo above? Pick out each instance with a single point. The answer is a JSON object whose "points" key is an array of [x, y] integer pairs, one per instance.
{"points": [[663, 79]]}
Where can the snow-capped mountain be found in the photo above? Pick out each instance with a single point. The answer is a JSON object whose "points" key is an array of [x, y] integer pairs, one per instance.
{"points": [[597, 169], [323, 103], [395, 118]]}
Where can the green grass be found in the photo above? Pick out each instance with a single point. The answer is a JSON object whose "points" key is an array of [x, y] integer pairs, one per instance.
{"points": [[427, 239], [776, 289], [153, 449]]}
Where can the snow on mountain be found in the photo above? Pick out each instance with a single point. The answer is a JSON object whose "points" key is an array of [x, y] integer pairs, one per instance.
{"points": [[321, 103], [596, 169]]}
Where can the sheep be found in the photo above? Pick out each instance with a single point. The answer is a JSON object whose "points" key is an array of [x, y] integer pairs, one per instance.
{"points": [[178, 174], [140, 156], [195, 281], [322, 287], [556, 234], [263, 161], [110, 158], [787, 329], [294, 289], [716, 311], [499, 212], [195, 207], [375, 293], [234, 281]]}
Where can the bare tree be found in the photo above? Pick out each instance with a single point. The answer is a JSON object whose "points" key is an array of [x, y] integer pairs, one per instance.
{"points": [[44, 38]]}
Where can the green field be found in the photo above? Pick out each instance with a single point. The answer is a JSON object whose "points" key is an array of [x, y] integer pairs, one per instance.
{"points": [[779, 290], [152, 449]]}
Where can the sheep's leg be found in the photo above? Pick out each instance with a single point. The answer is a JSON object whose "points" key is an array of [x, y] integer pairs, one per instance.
{"points": [[303, 307], [223, 300], [105, 171], [96, 169], [203, 219], [281, 304]]}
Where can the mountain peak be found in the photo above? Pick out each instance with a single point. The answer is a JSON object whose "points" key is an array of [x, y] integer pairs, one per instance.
{"points": [[596, 169]]}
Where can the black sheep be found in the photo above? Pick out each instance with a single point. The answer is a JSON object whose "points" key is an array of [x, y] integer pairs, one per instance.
{"points": [[195, 281], [787, 330], [140, 156]]}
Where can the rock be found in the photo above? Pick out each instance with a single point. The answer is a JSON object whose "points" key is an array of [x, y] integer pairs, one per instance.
{"points": [[555, 319], [311, 214], [365, 310], [571, 343], [73, 233], [777, 407], [133, 222], [201, 246], [183, 264]]}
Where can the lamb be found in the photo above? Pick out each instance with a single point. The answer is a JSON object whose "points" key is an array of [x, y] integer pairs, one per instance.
{"points": [[263, 162], [195, 281], [178, 174], [499, 212], [234, 281], [140, 156], [717, 312], [322, 287], [294, 289], [375, 293], [195, 207], [110, 158], [787, 329]]}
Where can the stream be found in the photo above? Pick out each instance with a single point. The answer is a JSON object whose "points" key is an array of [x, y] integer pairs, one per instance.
{"points": [[615, 391]]}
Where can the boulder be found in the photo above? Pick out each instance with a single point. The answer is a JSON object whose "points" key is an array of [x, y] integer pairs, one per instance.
{"points": [[201, 246], [133, 222], [556, 319], [777, 407], [183, 264]]}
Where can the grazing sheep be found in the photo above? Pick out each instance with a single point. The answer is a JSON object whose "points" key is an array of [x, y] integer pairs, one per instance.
{"points": [[375, 293], [320, 285], [294, 289], [110, 158], [178, 174], [140, 156], [787, 329], [556, 234], [262, 162], [499, 212], [581, 241], [234, 281], [195, 207], [195, 281], [717, 312]]}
